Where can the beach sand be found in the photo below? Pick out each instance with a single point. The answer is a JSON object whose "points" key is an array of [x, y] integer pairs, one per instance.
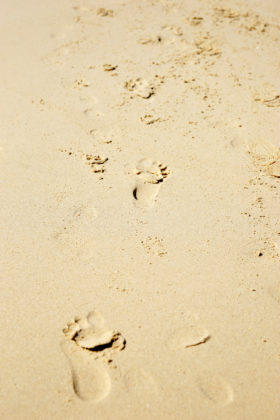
{"points": [[140, 209]]}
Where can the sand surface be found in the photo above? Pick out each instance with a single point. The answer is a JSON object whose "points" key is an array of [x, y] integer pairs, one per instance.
{"points": [[140, 203]]}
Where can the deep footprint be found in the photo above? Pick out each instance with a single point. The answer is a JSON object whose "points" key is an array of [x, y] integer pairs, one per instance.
{"points": [[149, 176], [89, 347]]}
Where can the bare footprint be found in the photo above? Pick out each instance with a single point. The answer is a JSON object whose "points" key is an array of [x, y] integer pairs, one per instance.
{"points": [[140, 87], [266, 157], [214, 389], [274, 168], [149, 175], [89, 347], [192, 334], [267, 95], [211, 387]]}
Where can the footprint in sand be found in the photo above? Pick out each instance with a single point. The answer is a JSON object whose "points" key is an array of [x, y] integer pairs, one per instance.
{"points": [[140, 87], [149, 175], [266, 157], [214, 389], [267, 95], [89, 346], [192, 334]]}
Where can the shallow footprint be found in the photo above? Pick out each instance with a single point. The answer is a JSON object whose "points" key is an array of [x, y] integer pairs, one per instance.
{"points": [[267, 95], [214, 389], [88, 346], [192, 334], [149, 176], [265, 156]]}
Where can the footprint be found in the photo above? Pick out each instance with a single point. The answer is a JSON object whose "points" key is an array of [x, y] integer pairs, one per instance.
{"points": [[174, 29], [267, 95], [140, 87], [88, 345], [211, 387], [192, 334], [105, 12], [266, 156], [214, 389], [149, 175], [274, 168], [272, 102]]}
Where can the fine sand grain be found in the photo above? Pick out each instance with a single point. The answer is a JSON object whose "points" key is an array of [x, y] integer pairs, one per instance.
{"points": [[140, 156]]}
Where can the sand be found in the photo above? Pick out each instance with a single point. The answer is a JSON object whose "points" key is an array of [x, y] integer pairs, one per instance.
{"points": [[140, 209]]}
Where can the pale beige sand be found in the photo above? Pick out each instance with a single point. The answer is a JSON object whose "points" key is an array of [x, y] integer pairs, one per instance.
{"points": [[140, 168]]}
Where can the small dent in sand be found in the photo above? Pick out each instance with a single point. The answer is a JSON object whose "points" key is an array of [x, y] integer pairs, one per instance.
{"points": [[150, 40], [154, 246], [193, 20], [80, 83], [105, 12], [96, 162], [149, 119], [140, 87], [176, 30], [109, 67]]}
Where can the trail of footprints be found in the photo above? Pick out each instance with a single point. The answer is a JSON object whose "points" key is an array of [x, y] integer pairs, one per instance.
{"points": [[87, 344], [213, 388], [90, 347]]}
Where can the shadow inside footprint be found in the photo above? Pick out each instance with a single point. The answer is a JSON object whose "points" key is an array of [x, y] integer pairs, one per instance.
{"points": [[145, 194]]}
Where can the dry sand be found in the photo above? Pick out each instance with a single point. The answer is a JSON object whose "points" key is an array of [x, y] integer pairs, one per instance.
{"points": [[140, 210]]}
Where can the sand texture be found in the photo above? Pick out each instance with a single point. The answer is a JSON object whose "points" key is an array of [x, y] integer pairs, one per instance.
{"points": [[140, 204]]}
